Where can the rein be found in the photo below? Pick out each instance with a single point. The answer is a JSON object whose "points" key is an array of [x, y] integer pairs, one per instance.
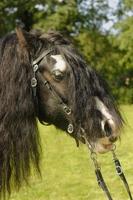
{"points": [[121, 174], [99, 175], [70, 129]]}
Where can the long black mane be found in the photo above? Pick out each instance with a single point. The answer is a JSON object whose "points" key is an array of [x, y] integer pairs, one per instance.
{"points": [[19, 137]]}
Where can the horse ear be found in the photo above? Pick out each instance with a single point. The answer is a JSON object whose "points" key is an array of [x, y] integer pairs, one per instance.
{"points": [[21, 38]]}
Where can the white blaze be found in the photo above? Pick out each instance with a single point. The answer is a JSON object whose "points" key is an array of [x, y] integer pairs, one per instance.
{"points": [[60, 63], [104, 110]]}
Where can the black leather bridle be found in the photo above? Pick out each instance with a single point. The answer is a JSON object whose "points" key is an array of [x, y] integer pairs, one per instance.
{"points": [[65, 107], [70, 129]]}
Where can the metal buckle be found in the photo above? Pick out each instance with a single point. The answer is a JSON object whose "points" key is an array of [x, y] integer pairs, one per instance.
{"points": [[119, 170], [33, 82], [35, 67], [70, 128], [67, 110]]}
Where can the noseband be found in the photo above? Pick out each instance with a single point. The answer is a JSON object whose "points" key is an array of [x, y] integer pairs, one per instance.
{"points": [[70, 129]]}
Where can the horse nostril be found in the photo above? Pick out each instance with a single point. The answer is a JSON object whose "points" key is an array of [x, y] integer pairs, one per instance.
{"points": [[107, 128], [112, 139]]}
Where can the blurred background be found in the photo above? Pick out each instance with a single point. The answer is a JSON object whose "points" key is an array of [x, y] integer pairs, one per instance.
{"points": [[102, 30]]}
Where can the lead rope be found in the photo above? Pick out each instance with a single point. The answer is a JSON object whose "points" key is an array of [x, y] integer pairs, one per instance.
{"points": [[120, 172]]}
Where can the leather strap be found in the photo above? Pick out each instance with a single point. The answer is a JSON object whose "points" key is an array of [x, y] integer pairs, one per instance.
{"points": [[121, 174], [102, 183], [44, 54]]}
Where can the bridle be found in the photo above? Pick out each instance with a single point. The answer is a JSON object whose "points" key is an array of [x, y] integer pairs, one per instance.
{"points": [[70, 129], [65, 107]]}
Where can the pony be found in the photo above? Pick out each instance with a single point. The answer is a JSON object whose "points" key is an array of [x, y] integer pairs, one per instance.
{"points": [[43, 77]]}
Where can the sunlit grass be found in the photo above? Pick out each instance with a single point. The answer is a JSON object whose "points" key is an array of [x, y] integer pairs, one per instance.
{"points": [[68, 173]]}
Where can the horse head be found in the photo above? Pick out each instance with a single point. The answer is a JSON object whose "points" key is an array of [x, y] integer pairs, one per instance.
{"points": [[42, 76]]}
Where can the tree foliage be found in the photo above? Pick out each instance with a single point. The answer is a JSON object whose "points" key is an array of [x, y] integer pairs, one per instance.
{"points": [[109, 51], [123, 40]]}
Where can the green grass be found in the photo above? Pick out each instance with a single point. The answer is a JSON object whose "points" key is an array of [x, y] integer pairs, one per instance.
{"points": [[68, 173]]}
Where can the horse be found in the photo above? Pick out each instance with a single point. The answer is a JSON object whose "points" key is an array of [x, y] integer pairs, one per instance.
{"points": [[44, 77]]}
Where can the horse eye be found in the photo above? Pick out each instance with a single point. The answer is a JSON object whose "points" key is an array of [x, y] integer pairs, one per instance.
{"points": [[58, 75]]}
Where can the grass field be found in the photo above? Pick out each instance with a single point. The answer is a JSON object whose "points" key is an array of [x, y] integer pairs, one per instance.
{"points": [[67, 171]]}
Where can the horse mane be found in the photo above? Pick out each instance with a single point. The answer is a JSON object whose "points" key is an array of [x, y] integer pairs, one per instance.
{"points": [[19, 137], [53, 37]]}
